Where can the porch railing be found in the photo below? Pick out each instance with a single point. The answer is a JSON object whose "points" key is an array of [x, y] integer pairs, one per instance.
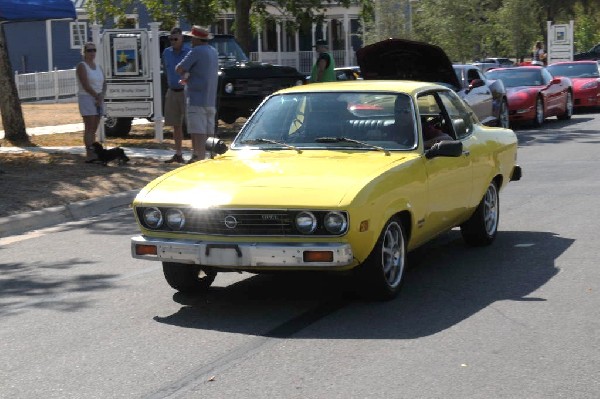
{"points": [[301, 60]]}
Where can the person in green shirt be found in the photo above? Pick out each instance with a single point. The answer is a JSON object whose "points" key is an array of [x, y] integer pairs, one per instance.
{"points": [[323, 70]]}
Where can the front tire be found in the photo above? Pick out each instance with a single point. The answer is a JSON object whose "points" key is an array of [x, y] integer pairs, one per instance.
{"points": [[568, 108], [188, 278], [482, 226], [381, 274], [503, 116], [538, 121]]}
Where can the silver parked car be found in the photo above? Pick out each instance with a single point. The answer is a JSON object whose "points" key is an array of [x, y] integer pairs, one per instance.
{"points": [[487, 97], [400, 59]]}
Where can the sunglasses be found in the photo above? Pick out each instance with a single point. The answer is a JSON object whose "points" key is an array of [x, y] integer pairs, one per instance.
{"points": [[90, 50], [173, 39]]}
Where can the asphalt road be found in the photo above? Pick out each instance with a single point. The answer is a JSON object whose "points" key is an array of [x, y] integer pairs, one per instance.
{"points": [[79, 318]]}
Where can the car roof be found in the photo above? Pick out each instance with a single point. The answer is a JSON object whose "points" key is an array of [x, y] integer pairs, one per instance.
{"points": [[394, 86], [574, 62]]}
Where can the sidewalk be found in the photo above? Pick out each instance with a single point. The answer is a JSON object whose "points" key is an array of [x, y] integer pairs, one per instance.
{"points": [[28, 221], [71, 128]]}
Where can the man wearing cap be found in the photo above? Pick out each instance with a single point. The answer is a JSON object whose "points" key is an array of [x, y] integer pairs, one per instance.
{"points": [[323, 70], [174, 99], [201, 65]]}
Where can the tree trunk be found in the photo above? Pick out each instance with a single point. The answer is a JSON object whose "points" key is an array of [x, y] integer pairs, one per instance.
{"points": [[243, 33], [10, 106]]}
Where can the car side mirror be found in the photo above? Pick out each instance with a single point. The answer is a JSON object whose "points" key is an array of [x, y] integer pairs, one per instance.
{"points": [[460, 127], [216, 146], [447, 148]]}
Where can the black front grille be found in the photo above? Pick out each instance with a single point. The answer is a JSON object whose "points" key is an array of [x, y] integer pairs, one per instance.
{"points": [[241, 222]]}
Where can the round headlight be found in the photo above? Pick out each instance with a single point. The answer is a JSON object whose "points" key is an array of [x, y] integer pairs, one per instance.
{"points": [[229, 88], [153, 218], [335, 222], [306, 222], [299, 83], [175, 219]]}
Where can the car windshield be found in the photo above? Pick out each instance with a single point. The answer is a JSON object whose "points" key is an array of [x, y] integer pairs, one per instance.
{"points": [[587, 70], [516, 77], [228, 49], [340, 120]]}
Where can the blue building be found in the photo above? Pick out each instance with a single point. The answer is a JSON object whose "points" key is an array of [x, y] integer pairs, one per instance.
{"points": [[56, 44]]}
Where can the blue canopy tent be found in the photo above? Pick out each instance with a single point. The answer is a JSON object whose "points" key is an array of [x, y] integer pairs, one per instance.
{"points": [[22, 11], [36, 10]]}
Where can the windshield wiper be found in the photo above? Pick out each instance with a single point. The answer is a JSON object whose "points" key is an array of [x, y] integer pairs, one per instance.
{"points": [[349, 140], [268, 141]]}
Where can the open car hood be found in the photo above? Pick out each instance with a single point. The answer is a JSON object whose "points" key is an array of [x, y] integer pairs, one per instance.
{"points": [[399, 59]]}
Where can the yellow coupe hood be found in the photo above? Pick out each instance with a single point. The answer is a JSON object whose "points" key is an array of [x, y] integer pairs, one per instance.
{"points": [[270, 179]]}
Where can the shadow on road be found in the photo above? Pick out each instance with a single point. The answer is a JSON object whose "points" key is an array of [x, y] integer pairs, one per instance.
{"points": [[447, 283]]}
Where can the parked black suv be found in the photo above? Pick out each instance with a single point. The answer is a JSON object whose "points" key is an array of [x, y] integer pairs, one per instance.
{"points": [[243, 84]]}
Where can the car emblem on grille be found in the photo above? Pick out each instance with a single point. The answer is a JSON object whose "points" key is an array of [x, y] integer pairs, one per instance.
{"points": [[269, 217], [230, 222]]}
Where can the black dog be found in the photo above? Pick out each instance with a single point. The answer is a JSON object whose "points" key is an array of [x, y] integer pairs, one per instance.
{"points": [[111, 154]]}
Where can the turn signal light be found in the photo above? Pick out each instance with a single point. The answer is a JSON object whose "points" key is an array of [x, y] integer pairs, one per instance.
{"points": [[318, 256], [145, 250]]}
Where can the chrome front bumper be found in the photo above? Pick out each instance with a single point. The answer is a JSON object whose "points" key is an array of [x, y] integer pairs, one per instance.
{"points": [[241, 255]]}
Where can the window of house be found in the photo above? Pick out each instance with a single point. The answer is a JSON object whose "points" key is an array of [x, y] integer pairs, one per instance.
{"points": [[78, 33]]}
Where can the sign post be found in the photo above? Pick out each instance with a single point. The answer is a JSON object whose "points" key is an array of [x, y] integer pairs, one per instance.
{"points": [[560, 42], [131, 63]]}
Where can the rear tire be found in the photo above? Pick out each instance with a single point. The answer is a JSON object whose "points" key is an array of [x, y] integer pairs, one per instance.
{"points": [[482, 226], [188, 278], [381, 274]]}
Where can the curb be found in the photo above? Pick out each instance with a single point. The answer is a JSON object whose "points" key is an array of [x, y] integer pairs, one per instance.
{"points": [[25, 222]]}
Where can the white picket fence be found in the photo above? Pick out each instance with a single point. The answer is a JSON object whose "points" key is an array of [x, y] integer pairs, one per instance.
{"points": [[46, 85], [63, 83]]}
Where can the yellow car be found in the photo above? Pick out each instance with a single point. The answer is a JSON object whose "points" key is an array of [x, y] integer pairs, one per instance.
{"points": [[332, 177]]}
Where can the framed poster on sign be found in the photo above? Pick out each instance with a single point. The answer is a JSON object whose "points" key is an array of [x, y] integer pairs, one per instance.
{"points": [[125, 56]]}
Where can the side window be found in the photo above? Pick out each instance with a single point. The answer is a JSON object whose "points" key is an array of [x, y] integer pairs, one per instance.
{"points": [[433, 121], [459, 114], [473, 74], [546, 77]]}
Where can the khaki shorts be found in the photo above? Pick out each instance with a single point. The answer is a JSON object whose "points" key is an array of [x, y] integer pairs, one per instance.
{"points": [[201, 119], [174, 108]]}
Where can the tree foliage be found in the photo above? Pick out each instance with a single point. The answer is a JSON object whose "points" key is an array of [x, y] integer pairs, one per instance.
{"points": [[472, 29]]}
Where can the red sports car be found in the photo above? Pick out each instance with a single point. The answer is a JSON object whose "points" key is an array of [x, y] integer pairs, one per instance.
{"points": [[534, 94], [585, 76]]}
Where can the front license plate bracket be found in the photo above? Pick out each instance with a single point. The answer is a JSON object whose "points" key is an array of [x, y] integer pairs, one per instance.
{"points": [[235, 247]]}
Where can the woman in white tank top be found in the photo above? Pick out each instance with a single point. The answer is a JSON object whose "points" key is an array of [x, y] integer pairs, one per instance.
{"points": [[92, 87]]}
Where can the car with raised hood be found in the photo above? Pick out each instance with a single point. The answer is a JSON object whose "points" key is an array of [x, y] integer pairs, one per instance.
{"points": [[400, 59], [585, 77], [332, 178], [534, 94]]}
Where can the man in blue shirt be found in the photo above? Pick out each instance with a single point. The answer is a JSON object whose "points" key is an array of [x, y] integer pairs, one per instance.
{"points": [[174, 99], [201, 66]]}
